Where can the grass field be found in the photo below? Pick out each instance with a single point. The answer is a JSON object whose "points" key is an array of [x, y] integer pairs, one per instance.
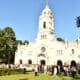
{"points": [[30, 76]]}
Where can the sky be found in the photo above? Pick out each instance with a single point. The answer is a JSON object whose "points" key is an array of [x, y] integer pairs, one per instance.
{"points": [[23, 17]]}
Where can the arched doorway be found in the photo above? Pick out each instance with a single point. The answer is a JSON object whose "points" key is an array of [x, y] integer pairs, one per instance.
{"points": [[42, 62], [29, 61], [59, 62], [42, 59], [73, 63]]}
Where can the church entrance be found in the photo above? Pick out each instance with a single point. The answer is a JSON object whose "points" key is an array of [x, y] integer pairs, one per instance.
{"points": [[73, 63], [42, 62], [59, 62], [42, 59]]}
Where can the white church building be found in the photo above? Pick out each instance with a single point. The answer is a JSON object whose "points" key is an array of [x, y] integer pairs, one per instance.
{"points": [[46, 49]]}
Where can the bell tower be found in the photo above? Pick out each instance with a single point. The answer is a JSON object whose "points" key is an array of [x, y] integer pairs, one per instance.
{"points": [[46, 24]]}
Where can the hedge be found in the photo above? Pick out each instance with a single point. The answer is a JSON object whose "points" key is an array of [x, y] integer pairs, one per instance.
{"points": [[7, 71]]}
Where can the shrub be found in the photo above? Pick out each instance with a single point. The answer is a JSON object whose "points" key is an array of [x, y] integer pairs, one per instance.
{"points": [[7, 71], [77, 76]]}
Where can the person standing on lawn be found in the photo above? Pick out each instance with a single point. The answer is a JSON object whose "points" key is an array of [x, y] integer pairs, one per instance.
{"points": [[36, 70], [73, 71], [55, 71]]}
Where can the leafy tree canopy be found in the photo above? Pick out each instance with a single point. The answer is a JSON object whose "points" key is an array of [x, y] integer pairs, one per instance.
{"points": [[7, 43], [26, 42], [78, 21], [22, 42], [19, 42], [60, 39]]}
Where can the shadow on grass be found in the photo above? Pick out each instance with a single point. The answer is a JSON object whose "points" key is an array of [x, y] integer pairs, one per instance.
{"points": [[24, 79]]}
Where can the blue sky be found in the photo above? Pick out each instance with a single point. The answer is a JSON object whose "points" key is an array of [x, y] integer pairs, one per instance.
{"points": [[23, 16]]}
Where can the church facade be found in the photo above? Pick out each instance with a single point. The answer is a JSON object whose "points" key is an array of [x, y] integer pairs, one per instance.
{"points": [[46, 49]]}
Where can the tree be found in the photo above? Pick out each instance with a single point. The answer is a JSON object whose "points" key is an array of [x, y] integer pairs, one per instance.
{"points": [[26, 42], [19, 42], [22, 42], [2, 39], [10, 43], [78, 21], [60, 39]]}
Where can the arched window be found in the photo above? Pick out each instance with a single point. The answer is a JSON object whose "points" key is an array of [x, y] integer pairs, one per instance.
{"points": [[43, 49], [72, 51], [44, 12], [20, 61], [29, 61], [44, 25], [43, 36]]}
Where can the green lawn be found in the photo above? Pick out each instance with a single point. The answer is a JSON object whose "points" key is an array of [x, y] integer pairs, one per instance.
{"points": [[31, 76]]}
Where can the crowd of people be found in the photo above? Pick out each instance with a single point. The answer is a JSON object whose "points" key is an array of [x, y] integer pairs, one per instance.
{"points": [[56, 70]]}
